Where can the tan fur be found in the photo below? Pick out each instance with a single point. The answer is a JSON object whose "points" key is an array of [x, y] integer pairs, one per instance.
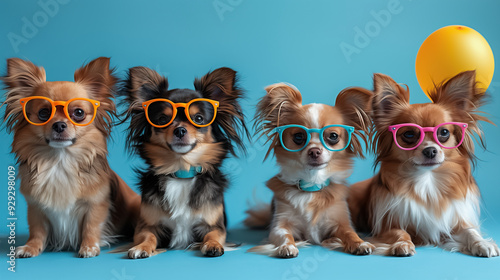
{"points": [[320, 217], [76, 178], [449, 198]]}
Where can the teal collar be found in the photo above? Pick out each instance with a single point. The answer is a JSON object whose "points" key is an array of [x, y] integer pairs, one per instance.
{"points": [[311, 187], [188, 174]]}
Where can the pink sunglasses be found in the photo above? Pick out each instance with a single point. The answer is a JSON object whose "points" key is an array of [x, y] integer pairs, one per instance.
{"points": [[408, 136]]}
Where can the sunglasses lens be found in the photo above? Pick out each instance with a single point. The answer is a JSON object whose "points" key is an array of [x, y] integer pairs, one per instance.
{"points": [[201, 113], [294, 138], [408, 136], [81, 111], [449, 135], [336, 138], [38, 110], [160, 112]]}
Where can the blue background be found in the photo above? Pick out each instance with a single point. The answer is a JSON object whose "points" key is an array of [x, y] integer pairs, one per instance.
{"points": [[266, 42]]}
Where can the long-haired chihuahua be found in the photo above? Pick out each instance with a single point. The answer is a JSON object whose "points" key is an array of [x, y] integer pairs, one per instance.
{"points": [[183, 135], [314, 146], [424, 192], [60, 142]]}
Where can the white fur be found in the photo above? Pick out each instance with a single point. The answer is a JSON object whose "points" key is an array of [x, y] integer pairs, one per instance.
{"points": [[60, 144], [296, 212], [425, 186], [182, 149], [56, 194], [429, 226], [182, 219], [65, 226], [314, 114]]}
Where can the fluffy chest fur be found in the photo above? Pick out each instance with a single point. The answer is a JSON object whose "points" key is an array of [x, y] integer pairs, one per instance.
{"points": [[314, 215], [425, 209], [65, 226], [182, 218], [52, 182]]}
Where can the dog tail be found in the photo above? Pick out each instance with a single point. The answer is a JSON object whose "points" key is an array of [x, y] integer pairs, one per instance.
{"points": [[259, 217], [272, 250]]}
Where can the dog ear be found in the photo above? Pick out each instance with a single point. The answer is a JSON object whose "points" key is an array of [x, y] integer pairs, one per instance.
{"points": [[143, 84], [101, 82], [21, 80], [99, 77], [280, 103], [354, 103], [221, 85], [462, 96], [389, 98], [460, 91], [22, 73]]}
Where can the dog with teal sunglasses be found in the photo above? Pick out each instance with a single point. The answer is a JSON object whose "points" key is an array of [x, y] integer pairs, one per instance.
{"points": [[314, 146]]}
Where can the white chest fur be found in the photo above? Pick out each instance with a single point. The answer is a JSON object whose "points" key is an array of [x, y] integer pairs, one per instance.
{"points": [[301, 216], [65, 226], [182, 218], [55, 182], [430, 223]]}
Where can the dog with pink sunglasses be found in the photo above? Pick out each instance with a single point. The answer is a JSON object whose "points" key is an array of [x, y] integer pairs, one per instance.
{"points": [[424, 193]]}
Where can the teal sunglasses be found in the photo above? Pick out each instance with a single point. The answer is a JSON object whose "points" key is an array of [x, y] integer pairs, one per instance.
{"points": [[294, 138]]}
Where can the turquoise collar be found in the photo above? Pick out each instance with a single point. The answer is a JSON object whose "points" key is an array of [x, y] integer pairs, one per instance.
{"points": [[188, 174], [311, 187]]}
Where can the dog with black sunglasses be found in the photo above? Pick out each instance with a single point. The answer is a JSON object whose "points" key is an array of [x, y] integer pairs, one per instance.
{"points": [[183, 135]]}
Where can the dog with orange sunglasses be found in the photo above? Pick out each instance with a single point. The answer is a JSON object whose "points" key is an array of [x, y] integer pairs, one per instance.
{"points": [[60, 130], [183, 135]]}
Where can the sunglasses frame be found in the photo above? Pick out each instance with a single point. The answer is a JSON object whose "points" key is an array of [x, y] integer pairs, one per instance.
{"points": [[145, 106], [394, 129], [64, 104], [320, 131]]}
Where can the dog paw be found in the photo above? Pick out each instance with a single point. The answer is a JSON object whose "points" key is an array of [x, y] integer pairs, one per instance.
{"points": [[27, 251], [89, 251], [485, 248], [361, 248], [402, 249], [212, 249], [140, 252], [287, 251]]}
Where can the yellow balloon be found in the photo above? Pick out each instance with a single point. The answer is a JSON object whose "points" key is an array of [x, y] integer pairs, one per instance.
{"points": [[451, 50]]}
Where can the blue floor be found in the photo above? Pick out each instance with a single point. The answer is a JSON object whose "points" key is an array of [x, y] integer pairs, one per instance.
{"points": [[312, 263]]}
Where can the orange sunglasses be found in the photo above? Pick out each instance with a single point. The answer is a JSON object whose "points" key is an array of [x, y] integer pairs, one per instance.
{"points": [[39, 110], [161, 112]]}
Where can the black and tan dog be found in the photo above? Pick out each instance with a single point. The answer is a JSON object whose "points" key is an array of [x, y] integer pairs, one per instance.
{"points": [[183, 135]]}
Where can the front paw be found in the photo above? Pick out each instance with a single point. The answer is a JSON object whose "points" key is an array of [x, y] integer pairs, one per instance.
{"points": [[287, 251], [141, 251], [402, 249], [212, 249], [89, 251], [484, 248], [27, 251], [360, 248]]}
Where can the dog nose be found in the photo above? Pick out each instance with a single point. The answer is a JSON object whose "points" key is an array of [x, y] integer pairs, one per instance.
{"points": [[430, 152], [314, 153], [59, 127], [180, 132]]}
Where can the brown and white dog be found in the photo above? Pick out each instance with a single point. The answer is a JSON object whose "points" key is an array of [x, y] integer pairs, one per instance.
{"points": [[426, 195], [298, 214], [74, 198]]}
